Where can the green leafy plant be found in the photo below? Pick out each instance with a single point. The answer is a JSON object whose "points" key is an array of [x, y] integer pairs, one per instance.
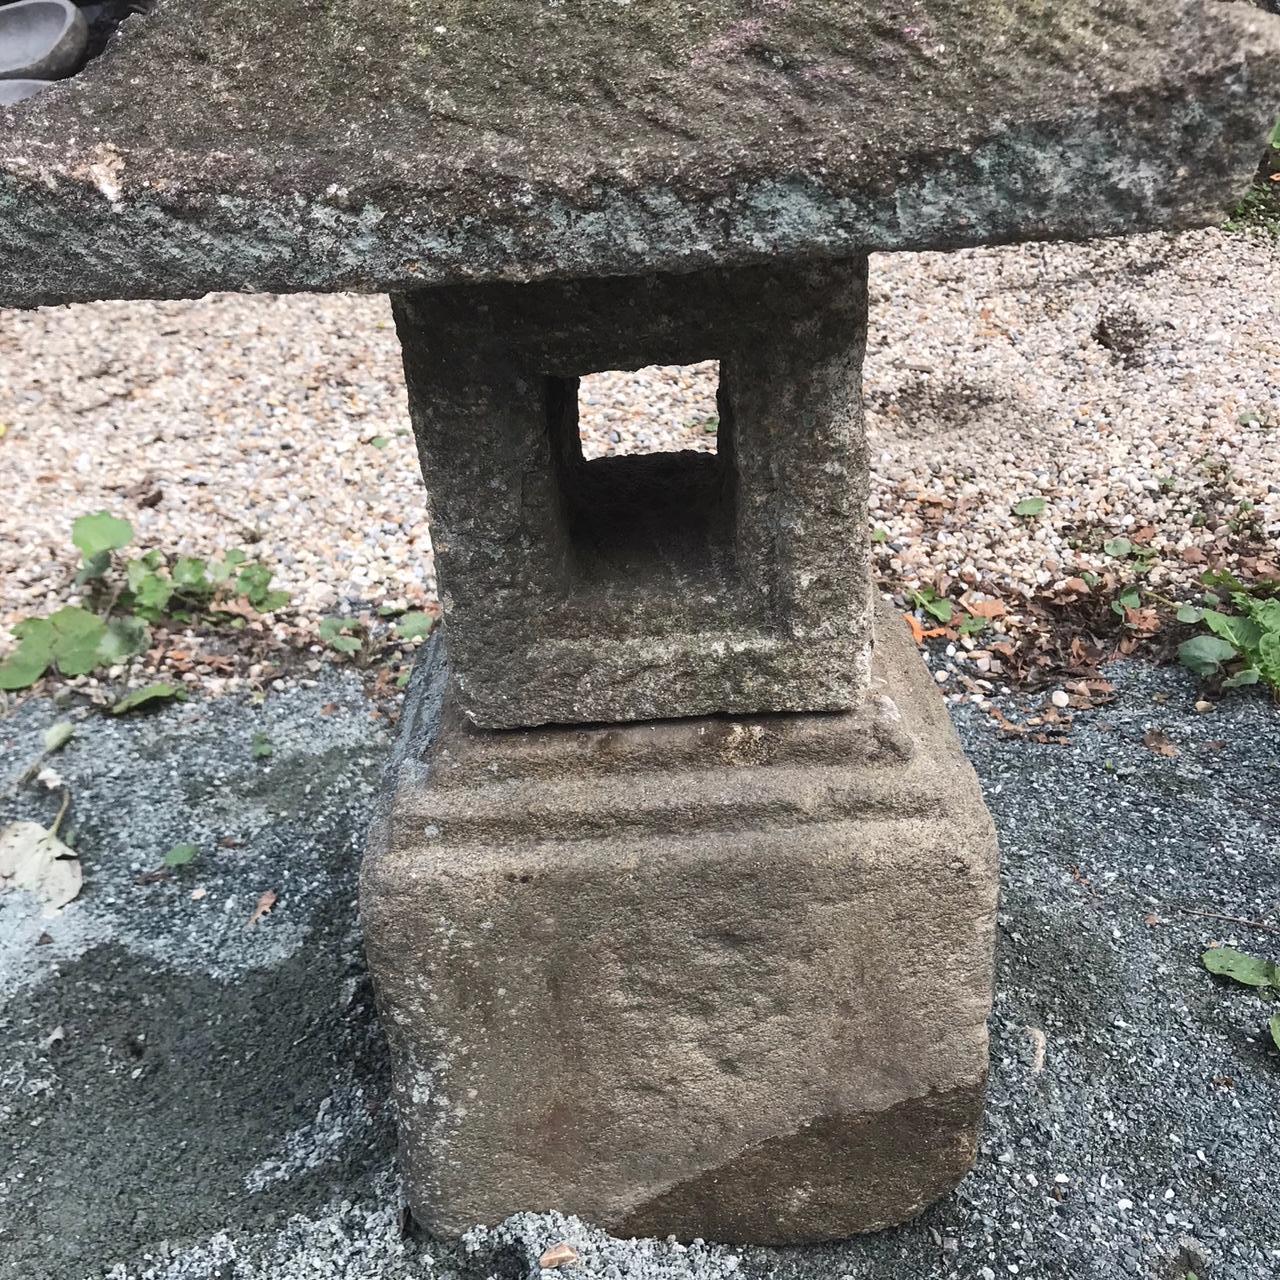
{"points": [[1029, 507], [930, 602], [96, 537], [181, 855], [1239, 648], [1249, 971], [343, 635], [415, 625], [72, 641], [1258, 210], [261, 747], [148, 696], [123, 596]]}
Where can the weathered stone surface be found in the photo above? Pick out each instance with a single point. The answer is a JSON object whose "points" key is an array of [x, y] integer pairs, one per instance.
{"points": [[724, 978], [655, 585], [226, 144]]}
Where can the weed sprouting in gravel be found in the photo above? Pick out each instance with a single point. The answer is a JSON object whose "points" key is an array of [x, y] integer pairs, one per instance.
{"points": [[122, 597], [1238, 647]]}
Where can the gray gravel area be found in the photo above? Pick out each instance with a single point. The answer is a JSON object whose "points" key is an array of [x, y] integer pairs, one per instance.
{"points": [[1134, 385], [184, 1097]]}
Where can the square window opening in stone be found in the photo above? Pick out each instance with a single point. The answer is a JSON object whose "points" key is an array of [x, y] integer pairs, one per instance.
{"points": [[657, 520], [655, 409]]}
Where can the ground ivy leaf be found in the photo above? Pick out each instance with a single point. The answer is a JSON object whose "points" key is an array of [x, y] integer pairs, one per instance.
{"points": [[261, 747], [76, 636], [23, 668], [190, 572], [1029, 507], [415, 626], [1206, 654], [143, 697], [124, 637], [270, 601], [1274, 1024], [93, 567], [100, 532], [1250, 971], [1250, 675], [180, 855], [1269, 657]]}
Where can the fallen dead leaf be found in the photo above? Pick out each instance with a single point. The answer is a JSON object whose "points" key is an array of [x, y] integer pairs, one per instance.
{"points": [[266, 904], [1158, 741], [1039, 1045], [153, 877], [33, 858], [984, 608], [559, 1255]]}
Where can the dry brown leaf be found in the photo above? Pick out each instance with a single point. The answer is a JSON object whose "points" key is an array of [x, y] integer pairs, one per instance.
{"points": [[153, 877], [33, 858], [985, 608], [1039, 1045], [266, 904], [559, 1255], [1158, 741]]}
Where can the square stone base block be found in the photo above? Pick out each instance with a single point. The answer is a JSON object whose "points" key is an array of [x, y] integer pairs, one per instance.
{"points": [[722, 977]]}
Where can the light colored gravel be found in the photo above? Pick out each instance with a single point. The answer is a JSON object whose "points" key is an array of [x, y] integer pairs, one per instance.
{"points": [[282, 422]]}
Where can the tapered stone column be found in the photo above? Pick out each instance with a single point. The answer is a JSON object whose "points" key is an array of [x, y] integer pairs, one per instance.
{"points": [[694, 973]]}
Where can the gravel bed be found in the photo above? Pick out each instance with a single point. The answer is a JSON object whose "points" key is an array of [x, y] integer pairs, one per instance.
{"points": [[184, 1096], [1134, 385]]}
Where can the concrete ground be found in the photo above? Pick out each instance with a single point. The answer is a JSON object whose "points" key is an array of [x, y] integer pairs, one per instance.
{"points": [[187, 1096]]}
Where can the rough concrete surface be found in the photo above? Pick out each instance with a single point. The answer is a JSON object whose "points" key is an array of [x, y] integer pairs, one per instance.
{"points": [[672, 584], [215, 1108], [667, 976], [227, 144]]}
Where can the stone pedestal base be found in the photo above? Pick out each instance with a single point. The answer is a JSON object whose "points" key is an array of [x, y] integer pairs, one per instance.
{"points": [[723, 977]]}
